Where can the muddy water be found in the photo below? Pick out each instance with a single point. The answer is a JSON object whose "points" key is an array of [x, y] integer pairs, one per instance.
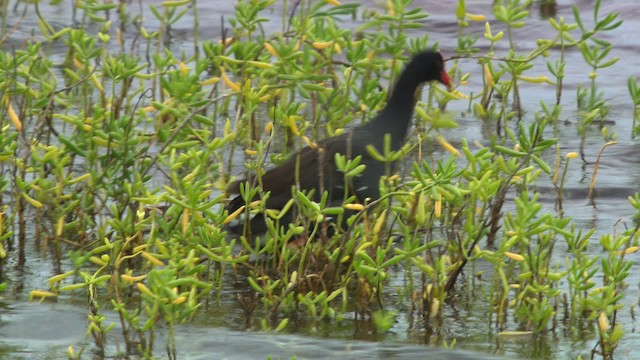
{"points": [[45, 330]]}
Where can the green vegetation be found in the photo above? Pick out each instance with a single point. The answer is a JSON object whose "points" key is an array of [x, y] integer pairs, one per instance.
{"points": [[115, 162]]}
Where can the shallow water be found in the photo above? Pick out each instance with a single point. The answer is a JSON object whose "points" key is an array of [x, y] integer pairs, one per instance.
{"points": [[21, 339], [45, 330]]}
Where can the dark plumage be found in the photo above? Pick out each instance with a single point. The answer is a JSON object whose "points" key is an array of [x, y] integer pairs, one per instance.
{"points": [[394, 119]]}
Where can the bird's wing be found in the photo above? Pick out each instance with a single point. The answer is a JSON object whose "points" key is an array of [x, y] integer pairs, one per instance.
{"points": [[301, 168]]}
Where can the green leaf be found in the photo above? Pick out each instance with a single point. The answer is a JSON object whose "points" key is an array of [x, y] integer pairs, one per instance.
{"points": [[509, 151], [72, 146]]}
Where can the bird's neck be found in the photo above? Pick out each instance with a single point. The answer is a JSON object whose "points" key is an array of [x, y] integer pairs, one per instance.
{"points": [[400, 107]]}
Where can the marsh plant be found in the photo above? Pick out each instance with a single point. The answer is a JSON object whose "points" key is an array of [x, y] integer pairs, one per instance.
{"points": [[115, 159]]}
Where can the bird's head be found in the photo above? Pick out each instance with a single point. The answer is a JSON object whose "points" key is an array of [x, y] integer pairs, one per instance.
{"points": [[429, 66]]}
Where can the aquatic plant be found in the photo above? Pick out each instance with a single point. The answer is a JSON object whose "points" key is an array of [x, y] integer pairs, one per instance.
{"points": [[118, 152]]}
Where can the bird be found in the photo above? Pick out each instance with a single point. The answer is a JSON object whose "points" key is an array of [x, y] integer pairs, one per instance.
{"points": [[316, 167]]}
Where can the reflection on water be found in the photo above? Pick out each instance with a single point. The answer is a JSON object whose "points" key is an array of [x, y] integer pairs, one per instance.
{"points": [[43, 331], [547, 9]]}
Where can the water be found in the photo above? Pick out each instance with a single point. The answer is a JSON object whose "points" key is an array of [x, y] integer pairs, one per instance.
{"points": [[29, 330]]}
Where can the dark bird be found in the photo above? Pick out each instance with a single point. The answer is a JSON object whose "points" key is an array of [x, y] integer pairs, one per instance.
{"points": [[316, 165]]}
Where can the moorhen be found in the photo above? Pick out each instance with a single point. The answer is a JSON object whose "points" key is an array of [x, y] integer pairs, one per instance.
{"points": [[394, 119]]}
